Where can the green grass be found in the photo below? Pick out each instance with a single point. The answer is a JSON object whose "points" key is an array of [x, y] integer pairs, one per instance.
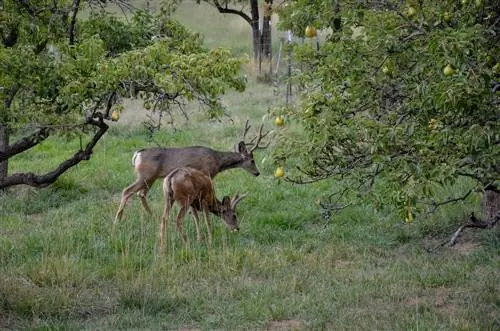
{"points": [[64, 267]]}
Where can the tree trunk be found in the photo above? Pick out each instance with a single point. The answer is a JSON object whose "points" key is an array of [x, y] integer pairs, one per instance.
{"points": [[255, 29], [4, 143], [261, 39], [491, 203], [266, 30]]}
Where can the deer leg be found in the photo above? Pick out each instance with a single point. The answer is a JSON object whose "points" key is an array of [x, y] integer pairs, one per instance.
{"points": [[209, 226], [143, 195], [179, 220], [197, 224], [164, 220], [126, 194]]}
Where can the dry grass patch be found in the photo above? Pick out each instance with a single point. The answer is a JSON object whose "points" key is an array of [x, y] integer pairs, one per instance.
{"points": [[285, 325]]}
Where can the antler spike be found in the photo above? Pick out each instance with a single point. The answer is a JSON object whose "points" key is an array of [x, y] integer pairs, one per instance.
{"points": [[237, 198], [247, 128], [255, 141]]}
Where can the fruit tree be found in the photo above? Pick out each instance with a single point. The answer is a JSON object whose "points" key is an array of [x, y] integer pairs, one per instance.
{"points": [[401, 98], [63, 72]]}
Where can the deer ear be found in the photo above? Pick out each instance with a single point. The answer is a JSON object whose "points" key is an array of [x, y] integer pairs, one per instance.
{"points": [[241, 148], [226, 200]]}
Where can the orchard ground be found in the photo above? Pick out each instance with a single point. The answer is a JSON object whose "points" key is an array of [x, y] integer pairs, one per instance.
{"points": [[63, 266]]}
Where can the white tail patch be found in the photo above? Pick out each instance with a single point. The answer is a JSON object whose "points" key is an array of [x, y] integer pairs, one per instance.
{"points": [[136, 158]]}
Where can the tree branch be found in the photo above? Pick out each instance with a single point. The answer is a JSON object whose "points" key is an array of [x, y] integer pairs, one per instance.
{"points": [[225, 10], [474, 222], [28, 7], [11, 95], [11, 38], [40, 181], [71, 30], [25, 143], [435, 205], [406, 18]]}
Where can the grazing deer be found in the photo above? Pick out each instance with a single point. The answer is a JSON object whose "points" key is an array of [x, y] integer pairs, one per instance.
{"points": [[153, 163], [193, 188]]}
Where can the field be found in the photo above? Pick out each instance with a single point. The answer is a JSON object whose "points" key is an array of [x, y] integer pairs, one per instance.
{"points": [[64, 267]]}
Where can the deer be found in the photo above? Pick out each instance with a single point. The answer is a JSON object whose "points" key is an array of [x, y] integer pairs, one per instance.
{"points": [[192, 188], [153, 163]]}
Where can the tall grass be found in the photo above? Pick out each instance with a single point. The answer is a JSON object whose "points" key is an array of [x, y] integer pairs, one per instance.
{"points": [[63, 266]]}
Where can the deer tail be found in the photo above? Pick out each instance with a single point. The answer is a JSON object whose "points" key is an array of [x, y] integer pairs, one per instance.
{"points": [[136, 157], [168, 180]]}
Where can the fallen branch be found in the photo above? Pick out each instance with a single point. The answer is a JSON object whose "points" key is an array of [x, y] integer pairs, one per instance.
{"points": [[473, 222]]}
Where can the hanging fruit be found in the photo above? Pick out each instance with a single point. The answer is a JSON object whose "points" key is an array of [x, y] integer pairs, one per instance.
{"points": [[279, 172], [279, 121], [311, 31], [115, 115]]}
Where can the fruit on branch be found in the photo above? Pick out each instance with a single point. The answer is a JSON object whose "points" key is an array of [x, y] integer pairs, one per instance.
{"points": [[311, 31], [115, 115], [447, 17], [411, 11], [279, 172], [448, 70], [386, 70], [279, 121]]}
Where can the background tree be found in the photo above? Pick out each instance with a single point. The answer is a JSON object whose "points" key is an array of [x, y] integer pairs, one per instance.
{"points": [[261, 38], [400, 99], [63, 74]]}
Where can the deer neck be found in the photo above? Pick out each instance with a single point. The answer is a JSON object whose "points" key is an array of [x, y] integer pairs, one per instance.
{"points": [[214, 207], [229, 160]]}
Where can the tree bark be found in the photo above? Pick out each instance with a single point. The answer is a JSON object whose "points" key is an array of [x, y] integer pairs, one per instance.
{"points": [[4, 144], [40, 181], [266, 49], [23, 144], [254, 8], [261, 39], [491, 203]]}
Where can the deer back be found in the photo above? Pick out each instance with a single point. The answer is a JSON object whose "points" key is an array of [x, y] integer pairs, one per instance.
{"points": [[189, 186], [159, 162]]}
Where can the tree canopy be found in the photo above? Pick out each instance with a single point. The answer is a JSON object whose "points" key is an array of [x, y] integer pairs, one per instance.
{"points": [[62, 70], [398, 93]]}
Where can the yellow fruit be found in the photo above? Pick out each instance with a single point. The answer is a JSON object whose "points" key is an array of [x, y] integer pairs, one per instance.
{"points": [[447, 17], [279, 121], [115, 116], [147, 105], [496, 68], [279, 172], [432, 124], [448, 70], [409, 217], [411, 11], [489, 60], [311, 31]]}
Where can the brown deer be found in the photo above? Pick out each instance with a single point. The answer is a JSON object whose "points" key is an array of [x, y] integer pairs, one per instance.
{"points": [[193, 188], [153, 163]]}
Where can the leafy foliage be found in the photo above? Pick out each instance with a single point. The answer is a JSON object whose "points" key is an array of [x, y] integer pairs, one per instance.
{"points": [[57, 69], [377, 103]]}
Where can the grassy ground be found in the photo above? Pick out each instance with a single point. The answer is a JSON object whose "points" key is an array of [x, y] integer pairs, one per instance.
{"points": [[63, 267]]}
